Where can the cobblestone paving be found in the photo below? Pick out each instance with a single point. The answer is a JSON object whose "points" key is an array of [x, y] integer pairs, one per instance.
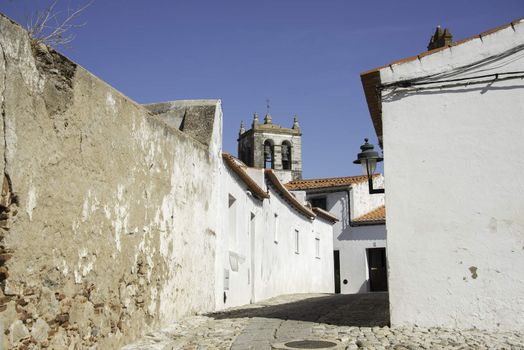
{"points": [[357, 321]]}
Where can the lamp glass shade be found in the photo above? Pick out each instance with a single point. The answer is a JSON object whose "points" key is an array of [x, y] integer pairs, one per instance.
{"points": [[369, 166]]}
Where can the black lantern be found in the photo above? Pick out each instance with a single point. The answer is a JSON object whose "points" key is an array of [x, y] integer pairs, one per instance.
{"points": [[369, 158]]}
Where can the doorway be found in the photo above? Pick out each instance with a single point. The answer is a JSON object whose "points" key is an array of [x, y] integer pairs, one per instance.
{"points": [[251, 271], [378, 278], [336, 260]]}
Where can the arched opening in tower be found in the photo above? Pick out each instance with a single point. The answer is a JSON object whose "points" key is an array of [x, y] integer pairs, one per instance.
{"points": [[269, 155], [286, 155]]}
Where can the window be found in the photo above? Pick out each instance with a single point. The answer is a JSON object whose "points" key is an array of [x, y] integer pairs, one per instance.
{"points": [[286, 155], [319, 202], [317, 248], [275, 234], [226, 279], [297, 243], [232, 222]]}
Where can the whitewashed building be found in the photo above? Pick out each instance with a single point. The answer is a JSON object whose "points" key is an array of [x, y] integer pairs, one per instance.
{"points": [[451, 122], [270, 242], [359, 238]]}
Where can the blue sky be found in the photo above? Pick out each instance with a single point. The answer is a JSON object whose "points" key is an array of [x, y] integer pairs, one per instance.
{"points": [[305, 56]]}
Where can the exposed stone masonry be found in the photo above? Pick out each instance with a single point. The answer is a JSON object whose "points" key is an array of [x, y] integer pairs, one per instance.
{"points": [[97, 206], [252, 147], [8, 212]]}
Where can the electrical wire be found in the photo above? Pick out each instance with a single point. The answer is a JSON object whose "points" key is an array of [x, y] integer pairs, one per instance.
{"points": [[429, 81], [467, 83]]}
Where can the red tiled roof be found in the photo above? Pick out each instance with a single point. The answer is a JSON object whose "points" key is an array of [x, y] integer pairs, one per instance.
{"points": [[287, 195], [325, 215], [371, 78], [239, 168], [298, 185], [377, 215]]}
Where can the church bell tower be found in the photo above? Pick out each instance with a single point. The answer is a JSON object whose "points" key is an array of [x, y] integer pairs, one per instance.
{"points": [[270, 146]]}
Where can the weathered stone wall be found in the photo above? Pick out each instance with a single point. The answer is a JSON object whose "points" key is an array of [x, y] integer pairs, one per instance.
{"points": [[107, 213], [278, 139]]}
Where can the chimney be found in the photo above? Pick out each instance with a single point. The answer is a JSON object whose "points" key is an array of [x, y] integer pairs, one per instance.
{"points": [[441, 38]]}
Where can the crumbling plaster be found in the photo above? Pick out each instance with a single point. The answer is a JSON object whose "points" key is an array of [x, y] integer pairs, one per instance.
{"points": [[110, 200]]}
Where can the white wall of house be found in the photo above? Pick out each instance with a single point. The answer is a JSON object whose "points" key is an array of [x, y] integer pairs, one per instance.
{"points": [[257, 250], [454, 190], [361, 201], [352, 242]]}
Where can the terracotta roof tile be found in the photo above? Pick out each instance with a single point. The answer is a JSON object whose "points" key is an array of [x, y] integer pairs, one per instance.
{"points": [[239, 168], [298, 185], [377, 215]]}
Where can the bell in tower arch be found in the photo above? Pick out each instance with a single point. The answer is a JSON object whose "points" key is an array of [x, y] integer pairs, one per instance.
{"points": [[286, 156], [267, 152], [269, 161]]}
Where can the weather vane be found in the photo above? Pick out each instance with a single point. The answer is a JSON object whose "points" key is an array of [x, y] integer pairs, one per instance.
{"points": [[267, 105]]}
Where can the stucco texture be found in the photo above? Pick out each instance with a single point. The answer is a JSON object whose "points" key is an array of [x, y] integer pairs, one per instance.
{"points": [[100, 203], [454, 188], [257, 246]]}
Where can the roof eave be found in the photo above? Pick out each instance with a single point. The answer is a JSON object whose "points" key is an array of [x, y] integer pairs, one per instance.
{"points": [[325, 189], [288, 196], [367, 223], [256, 190], [325, 215], [370, 83], [304, 187], [371, 78]]}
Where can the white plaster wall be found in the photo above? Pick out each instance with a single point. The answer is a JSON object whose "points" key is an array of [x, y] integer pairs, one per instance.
{"points": [[361, 201], [352, 242], [282, 271], [454, 192], [234, 247], [274, 268]]}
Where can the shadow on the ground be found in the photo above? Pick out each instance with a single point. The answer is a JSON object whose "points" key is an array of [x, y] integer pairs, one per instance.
{"points": [[362, 310]]}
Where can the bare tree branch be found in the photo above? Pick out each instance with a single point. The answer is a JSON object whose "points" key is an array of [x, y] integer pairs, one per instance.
{"points": [[53, 27]]}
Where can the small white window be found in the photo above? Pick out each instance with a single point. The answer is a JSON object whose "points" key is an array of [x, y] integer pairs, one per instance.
{"points": [[297, 243], [275, 236], [317, 247], [232, 218], [226, 280]]}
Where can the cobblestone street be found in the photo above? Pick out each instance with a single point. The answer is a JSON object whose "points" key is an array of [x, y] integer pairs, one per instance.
{"points": [[352, 321]]}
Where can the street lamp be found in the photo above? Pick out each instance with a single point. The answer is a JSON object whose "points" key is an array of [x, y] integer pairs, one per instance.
{"points": [[369, 158]]}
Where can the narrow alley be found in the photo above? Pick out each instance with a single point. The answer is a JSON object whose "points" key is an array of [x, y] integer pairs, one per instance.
{"points": [[335, 321]]}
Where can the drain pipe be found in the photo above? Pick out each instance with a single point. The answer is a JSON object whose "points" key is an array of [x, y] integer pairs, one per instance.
{"points": [[348, 192]]}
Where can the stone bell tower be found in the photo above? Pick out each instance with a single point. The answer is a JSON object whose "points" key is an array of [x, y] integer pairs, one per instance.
{"points": [[271, 146]]}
